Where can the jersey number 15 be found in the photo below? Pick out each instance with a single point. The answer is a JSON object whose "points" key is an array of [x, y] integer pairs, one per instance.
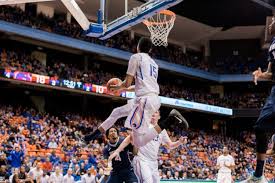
{"points": [[153, 71]]}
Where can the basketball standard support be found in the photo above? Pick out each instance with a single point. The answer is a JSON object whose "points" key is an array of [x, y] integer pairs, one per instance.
{"points": [[100, 29], [137, 15], [79, 16], [264, 4], [11, 2]]}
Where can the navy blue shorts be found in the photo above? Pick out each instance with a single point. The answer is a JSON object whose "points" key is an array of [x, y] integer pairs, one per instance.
{"points": [[266, 120], [125, 175]]}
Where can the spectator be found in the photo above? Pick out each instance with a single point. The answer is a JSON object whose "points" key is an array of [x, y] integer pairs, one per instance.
{"points": [[36, 173], [56, 177], [45, 178], [4, 176], [16, 157], [68, 177], [52, 144], [47, 165], [89, 177]]}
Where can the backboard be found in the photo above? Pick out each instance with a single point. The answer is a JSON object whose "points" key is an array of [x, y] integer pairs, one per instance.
{"points": [[134, 12]]}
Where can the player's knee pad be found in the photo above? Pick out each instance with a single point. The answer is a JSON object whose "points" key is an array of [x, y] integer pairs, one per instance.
{"points": [[261, 140]]}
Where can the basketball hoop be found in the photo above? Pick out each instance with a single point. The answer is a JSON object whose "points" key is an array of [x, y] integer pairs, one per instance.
{"points": [[160, 27]]}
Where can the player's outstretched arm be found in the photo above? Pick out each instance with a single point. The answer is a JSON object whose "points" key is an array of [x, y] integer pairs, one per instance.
{"points": [[258, 74], [121, 147], [131, 88], [173, 145]]}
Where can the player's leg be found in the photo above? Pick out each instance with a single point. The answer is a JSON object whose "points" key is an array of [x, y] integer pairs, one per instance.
{"points": [[155, 172], [220, 178], [117, 113], [129, 177], [228, 178], [265, 123], [113, 179], [142, 170], [142, 137]]}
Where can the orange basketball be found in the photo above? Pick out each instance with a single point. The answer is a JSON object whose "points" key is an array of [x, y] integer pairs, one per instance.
{"points": [[113, 81]]}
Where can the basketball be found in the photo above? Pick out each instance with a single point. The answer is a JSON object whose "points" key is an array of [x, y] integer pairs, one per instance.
{"points": [[113, 81]]}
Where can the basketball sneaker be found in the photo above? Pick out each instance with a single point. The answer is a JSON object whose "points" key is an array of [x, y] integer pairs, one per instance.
{"points": [[253, 179], [181, 120]]}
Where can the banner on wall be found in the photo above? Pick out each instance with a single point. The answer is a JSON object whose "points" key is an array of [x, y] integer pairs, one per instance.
{"points": [[89, 87]]}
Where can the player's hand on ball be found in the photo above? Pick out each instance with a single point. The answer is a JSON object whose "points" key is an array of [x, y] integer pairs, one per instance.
{"points": [[183, 140], [114, 84]]}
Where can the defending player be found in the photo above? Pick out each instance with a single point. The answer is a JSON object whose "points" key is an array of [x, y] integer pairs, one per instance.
{"points": [[122, 170], [266, 120], [146, 161], [225, 164]]}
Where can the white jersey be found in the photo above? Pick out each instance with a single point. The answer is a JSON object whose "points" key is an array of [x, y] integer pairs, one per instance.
{"points": [[145, 70], [225, 160], [68, 179], [88, 178], [54, 178], [151, 149]]}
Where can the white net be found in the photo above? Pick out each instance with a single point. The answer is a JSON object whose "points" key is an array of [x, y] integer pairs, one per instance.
{"points": [[160, 26]]}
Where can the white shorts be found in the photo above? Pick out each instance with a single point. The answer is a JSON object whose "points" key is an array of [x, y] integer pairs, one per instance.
{"points": [[224, 178], [146, 170], [140, 116]]}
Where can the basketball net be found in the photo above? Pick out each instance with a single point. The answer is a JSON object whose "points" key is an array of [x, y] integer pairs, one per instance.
{"points": [[160, 26]]}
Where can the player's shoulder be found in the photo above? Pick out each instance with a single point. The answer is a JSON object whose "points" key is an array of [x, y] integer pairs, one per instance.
{"points": [[106, 148], [136, 56]]}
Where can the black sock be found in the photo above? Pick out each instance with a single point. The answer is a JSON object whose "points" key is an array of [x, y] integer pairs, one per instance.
{"points": [[92, 136], [259, 168]]}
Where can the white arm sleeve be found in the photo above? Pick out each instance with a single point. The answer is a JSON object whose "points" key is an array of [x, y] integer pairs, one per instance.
{"points": [[165, 137]]}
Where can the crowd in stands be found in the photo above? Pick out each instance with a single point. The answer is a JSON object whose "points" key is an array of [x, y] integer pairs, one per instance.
{"points": [[237, 64], [23, 61], [45, 148], [123, 41]]}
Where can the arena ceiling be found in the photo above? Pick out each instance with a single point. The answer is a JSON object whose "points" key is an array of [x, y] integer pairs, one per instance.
{"points": [[198, 20]]}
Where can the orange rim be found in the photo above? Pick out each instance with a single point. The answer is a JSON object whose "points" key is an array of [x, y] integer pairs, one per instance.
{"points": [[165, 12]]}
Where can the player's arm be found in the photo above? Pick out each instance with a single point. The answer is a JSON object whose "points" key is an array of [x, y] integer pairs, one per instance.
{"points": [[131, 73], [121, 147], [232, 165], [267, 75], [131, 88], [173, 145], [218, 165]]}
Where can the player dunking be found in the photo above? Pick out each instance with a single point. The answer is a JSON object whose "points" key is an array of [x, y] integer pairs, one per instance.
{"points": [[266, 120], [146, 161], [144, 70], [225, 164]]}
